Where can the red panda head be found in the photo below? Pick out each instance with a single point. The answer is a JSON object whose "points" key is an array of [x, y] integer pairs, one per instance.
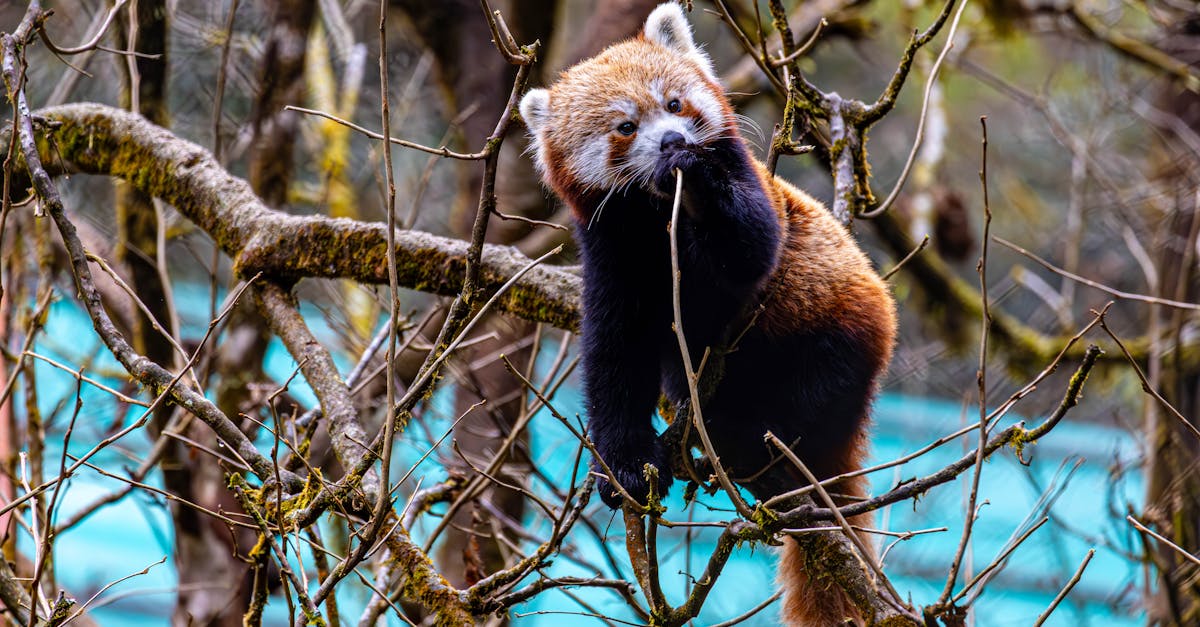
{"points": [[601, 126]]}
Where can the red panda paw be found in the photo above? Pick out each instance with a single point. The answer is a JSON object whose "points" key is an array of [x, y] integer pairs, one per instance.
{"points": [[688, 160], [630, 473]]}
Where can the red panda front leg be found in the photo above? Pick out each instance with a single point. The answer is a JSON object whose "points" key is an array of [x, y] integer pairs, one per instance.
{"points": [[623, 322], [730, 233]]}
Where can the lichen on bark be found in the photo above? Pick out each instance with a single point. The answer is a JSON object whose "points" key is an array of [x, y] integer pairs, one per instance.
{"points": [[97, 139]]}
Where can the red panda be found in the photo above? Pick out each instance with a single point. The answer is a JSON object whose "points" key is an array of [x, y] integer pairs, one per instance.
{"points": [[607, 138]]}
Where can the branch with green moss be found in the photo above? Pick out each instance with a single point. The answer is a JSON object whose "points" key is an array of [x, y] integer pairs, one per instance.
{"points": [[849, 119], [97, 139], [346, 432]]}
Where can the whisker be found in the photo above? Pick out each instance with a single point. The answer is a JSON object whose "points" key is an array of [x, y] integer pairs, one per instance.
{"points": [[600, 209], [747, 122]]}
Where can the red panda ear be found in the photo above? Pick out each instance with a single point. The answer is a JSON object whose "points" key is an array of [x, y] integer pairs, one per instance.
{"points": [[668, 28], [535, 110]]}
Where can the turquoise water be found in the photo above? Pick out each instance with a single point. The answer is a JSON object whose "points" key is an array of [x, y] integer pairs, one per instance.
{"points": [[1076, 462], [918, 567]]}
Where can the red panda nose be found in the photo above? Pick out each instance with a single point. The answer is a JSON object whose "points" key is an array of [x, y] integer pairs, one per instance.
{"points": [[672, 140]]}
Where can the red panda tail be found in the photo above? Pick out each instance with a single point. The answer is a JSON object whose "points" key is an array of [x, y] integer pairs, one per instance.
{"points": [[810, 601]]}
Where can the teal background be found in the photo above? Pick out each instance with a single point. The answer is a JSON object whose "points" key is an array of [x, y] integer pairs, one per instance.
{"points": [[1089, 472]]}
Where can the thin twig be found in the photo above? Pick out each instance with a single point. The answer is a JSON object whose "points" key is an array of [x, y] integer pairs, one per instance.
{"points": [[79, 375], [1090, 283], [803, 49], [222, 70], [530, 221], [900, 264], [1157, 536], [981, 380], [145, 571], [1062, 594], [1146, 387], [442, 151], [383, 502], [89, 44], [920, 135], [692, 380], [998, 561], [754, 610]]}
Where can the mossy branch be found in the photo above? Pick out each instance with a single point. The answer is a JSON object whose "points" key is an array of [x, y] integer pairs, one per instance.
{"points": [[97, 139], [347, 433]]}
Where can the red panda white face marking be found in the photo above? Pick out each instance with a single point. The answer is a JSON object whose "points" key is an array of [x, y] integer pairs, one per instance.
{"points": [[600, 128]]}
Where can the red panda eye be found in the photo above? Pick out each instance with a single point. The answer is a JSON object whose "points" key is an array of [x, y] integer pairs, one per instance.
{"points": [[674, 106], [627, 128]]}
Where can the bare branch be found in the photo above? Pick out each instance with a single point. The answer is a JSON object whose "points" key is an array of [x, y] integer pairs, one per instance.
{"points": [[1090, 283], [697, 417], [1066, 589], [89, 44]]}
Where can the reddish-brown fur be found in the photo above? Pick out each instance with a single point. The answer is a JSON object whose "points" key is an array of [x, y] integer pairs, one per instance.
{"points": [[824, 279]]}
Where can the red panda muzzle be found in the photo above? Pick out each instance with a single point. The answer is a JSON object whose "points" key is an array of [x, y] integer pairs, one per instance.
{"points": [[672, 141]]}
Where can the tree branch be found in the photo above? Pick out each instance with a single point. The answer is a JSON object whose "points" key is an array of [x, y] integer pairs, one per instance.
{"points": [[98, 139]]}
